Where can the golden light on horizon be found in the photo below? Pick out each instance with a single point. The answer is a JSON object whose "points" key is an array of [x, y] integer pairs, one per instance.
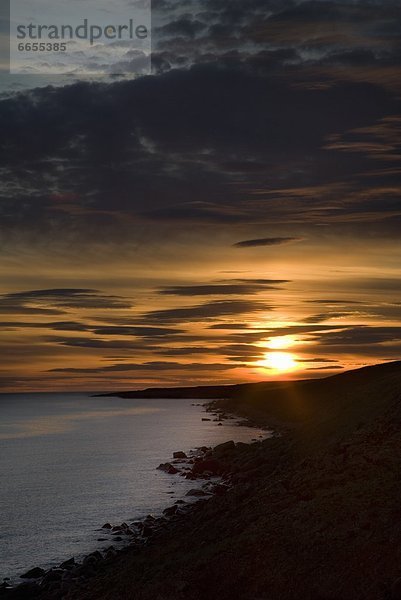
{"points": [[280, 362]]}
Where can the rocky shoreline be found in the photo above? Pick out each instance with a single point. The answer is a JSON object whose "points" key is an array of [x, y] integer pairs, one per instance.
{"points": [[206, 465]]}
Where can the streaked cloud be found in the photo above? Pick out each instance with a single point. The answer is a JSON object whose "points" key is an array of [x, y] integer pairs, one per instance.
{"points": [[274, 241]]}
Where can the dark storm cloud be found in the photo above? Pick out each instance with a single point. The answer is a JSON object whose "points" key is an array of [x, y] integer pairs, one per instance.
{"points": [[329, 33], [336, 22], [277, 241], [361, 58], [166, 5], [185, 26], [166, 145], [235, 8], [312, 11], [209, 310]]}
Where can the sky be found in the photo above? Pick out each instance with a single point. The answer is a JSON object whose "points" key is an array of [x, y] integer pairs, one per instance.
{"points": [[234, 216]]}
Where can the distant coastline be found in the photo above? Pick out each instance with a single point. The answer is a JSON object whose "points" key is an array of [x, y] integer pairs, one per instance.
{"points": [[203, 392]]}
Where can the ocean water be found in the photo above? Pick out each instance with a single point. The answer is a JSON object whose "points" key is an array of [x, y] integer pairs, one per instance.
{"points": [[70, 462]]}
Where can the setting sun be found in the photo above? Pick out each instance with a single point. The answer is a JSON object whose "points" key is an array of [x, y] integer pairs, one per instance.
{"points": [[278, 361]]}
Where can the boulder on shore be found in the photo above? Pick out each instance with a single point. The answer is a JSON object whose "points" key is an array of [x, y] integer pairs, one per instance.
{"points": [[209, 465], [170, 511], [34, 573], [220, 489], [179, 455], [52, 575], [225, 447], [196, 492], [168, 468], [68, 564]]}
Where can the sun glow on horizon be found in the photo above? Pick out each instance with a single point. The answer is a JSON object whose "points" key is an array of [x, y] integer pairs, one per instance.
{"points": [[280, 362]]}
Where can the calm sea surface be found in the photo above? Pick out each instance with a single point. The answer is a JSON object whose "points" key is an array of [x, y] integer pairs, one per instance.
{"points": [[69, 463]]}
